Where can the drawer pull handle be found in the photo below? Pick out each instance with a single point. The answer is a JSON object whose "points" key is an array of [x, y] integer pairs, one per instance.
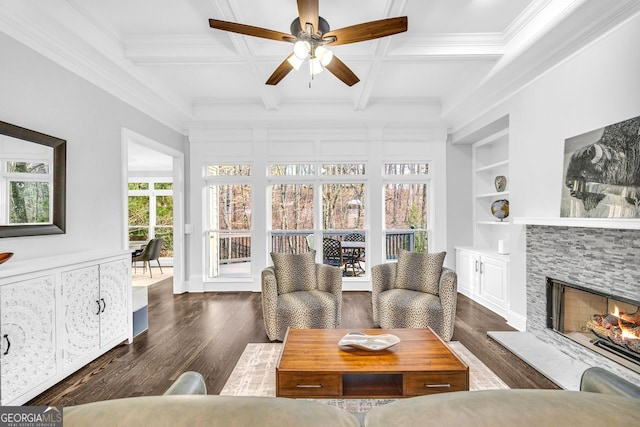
{"points": [[99, 307], [308, 385], [6, 337], [437, 385]]}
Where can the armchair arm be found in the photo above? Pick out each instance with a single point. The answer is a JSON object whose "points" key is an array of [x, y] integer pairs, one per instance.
{"points": [[448, 291], [329, 279], [189, 382], [383, 277], [598, 380], [270, 302]]}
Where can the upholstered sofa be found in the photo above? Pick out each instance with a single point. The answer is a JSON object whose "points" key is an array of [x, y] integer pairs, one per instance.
{"points": [[605, 400]]}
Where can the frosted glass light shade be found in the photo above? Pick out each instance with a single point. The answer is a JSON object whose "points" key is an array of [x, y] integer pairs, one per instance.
{"points": [[315, 66], [301, 49], [324, 55], [295, 62]]}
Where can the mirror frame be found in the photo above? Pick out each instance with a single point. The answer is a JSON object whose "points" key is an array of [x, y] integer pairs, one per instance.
{"points": [[59, 146]]}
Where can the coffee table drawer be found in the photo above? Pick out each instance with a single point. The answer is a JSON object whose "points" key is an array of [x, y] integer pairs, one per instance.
{"points": [[308, 384], [438, 382]]}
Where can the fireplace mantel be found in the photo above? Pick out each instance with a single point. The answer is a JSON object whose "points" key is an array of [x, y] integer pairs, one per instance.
{"points": [[617, 223]]}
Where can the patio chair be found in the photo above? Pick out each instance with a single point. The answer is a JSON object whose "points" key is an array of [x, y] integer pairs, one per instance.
{"points": [[353, 257], [311, 242], [332, 252], [149, 253], [415, 292], [299, 293]]}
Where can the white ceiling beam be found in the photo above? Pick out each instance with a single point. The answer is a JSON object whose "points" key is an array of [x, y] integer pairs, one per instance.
{"points": [[394, 8], [228, 13]]}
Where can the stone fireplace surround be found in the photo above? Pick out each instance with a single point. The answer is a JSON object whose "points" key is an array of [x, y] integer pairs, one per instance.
{"points": [[601, 259]]}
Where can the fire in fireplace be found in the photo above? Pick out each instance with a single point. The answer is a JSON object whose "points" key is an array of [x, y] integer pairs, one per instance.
{"points": [[607, 324]]}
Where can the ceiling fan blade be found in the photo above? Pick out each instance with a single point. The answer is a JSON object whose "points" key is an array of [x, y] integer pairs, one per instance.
{"points": [[367, 31], [280, 72], [341, 71], [308, 10], [249, 30]]}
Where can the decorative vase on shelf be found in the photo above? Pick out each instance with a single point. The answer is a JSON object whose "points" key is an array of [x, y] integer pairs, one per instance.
{"points": [[500, 209], [501, 183]]}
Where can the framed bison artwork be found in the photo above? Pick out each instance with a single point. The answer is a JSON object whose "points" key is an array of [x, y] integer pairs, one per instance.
{"points": [[602, 173]]}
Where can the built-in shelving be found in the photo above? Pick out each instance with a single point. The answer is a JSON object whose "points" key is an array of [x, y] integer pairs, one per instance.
{"points": [[490, 159]]}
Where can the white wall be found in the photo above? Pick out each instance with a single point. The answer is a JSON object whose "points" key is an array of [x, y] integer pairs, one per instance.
{"points": [[39, 95], [258, 146], [598, 86]]}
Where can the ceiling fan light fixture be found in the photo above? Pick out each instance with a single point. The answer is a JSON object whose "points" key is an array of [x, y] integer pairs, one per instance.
{"points": [[295, 62], [324, 55], [301, 49], [315, 67]]}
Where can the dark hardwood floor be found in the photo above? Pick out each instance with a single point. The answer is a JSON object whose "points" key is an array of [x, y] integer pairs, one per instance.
{"points": [[207, 333]]}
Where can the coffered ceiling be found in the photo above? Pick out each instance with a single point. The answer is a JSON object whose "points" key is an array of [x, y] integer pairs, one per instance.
{"points": [[458, 57]]}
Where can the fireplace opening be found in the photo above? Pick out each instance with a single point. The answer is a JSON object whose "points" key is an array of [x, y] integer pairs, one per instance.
{"points": [[607, 324]]}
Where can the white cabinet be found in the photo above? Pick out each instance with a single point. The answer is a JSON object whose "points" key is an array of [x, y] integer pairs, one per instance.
{"points": [[484, 277], [95, 306], [58, 314], [28, 336]]}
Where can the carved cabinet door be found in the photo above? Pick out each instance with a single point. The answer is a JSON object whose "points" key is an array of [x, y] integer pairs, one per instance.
{"points": [[114, 283], [82, 306], [27, 329]]}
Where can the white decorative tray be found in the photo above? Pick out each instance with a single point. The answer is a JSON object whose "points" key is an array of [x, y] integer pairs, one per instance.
{"points": [[369, 342]]}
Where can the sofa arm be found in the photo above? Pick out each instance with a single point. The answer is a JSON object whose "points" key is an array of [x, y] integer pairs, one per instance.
{"points": [[383, 277], [448, 292], [188, 383], [270, 302], [330, 280], [599, 380]]}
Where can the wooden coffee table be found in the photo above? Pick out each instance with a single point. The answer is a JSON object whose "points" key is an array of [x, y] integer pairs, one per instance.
{"points": [[312, 364]]}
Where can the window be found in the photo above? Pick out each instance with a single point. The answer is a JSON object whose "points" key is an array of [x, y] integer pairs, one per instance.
{"points": [[319, 203], [406, 207], [230, 223], [151, 212], [27, 188]]}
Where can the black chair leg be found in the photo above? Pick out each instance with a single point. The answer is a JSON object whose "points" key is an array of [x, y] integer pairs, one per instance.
{"points": [[150, 274]]}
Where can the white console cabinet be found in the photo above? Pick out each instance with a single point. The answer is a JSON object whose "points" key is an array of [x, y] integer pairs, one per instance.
{"points": [[57, 315], [484, 277]]}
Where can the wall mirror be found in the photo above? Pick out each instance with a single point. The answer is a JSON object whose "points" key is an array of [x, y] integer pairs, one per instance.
{"points": [[32, 182]]}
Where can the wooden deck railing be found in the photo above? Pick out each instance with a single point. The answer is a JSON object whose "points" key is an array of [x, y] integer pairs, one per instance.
{"points": [[237, 248]]}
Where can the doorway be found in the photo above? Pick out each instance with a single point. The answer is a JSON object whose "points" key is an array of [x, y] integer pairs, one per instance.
{"points": [[154, 178]]}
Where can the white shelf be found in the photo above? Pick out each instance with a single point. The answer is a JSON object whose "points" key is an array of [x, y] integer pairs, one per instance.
{"points": [[492, 166], [492, 222], [619, 223], [494, 194]]}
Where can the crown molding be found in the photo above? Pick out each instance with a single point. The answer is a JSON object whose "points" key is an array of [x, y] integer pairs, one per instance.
{"points": [[583, 27], [57, 44]]}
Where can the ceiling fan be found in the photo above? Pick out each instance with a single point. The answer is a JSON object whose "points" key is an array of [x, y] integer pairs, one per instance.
{"points": [[310, 34]]}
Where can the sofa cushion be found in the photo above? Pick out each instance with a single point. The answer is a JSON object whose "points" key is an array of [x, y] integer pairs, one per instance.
{"points": [[214, 411], [295, 272], [419, 271], [495, 408]]}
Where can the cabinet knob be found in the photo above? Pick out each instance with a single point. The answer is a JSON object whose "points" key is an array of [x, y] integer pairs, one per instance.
{"points": [[6, 337], [99, 307], [104, 305]]}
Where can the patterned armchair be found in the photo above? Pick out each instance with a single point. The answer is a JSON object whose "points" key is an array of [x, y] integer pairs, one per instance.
{"points": [[298, 293], [417, 292]]}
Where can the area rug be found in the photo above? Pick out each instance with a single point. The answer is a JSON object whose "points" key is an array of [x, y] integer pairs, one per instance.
{"points": [[254, 375]]}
